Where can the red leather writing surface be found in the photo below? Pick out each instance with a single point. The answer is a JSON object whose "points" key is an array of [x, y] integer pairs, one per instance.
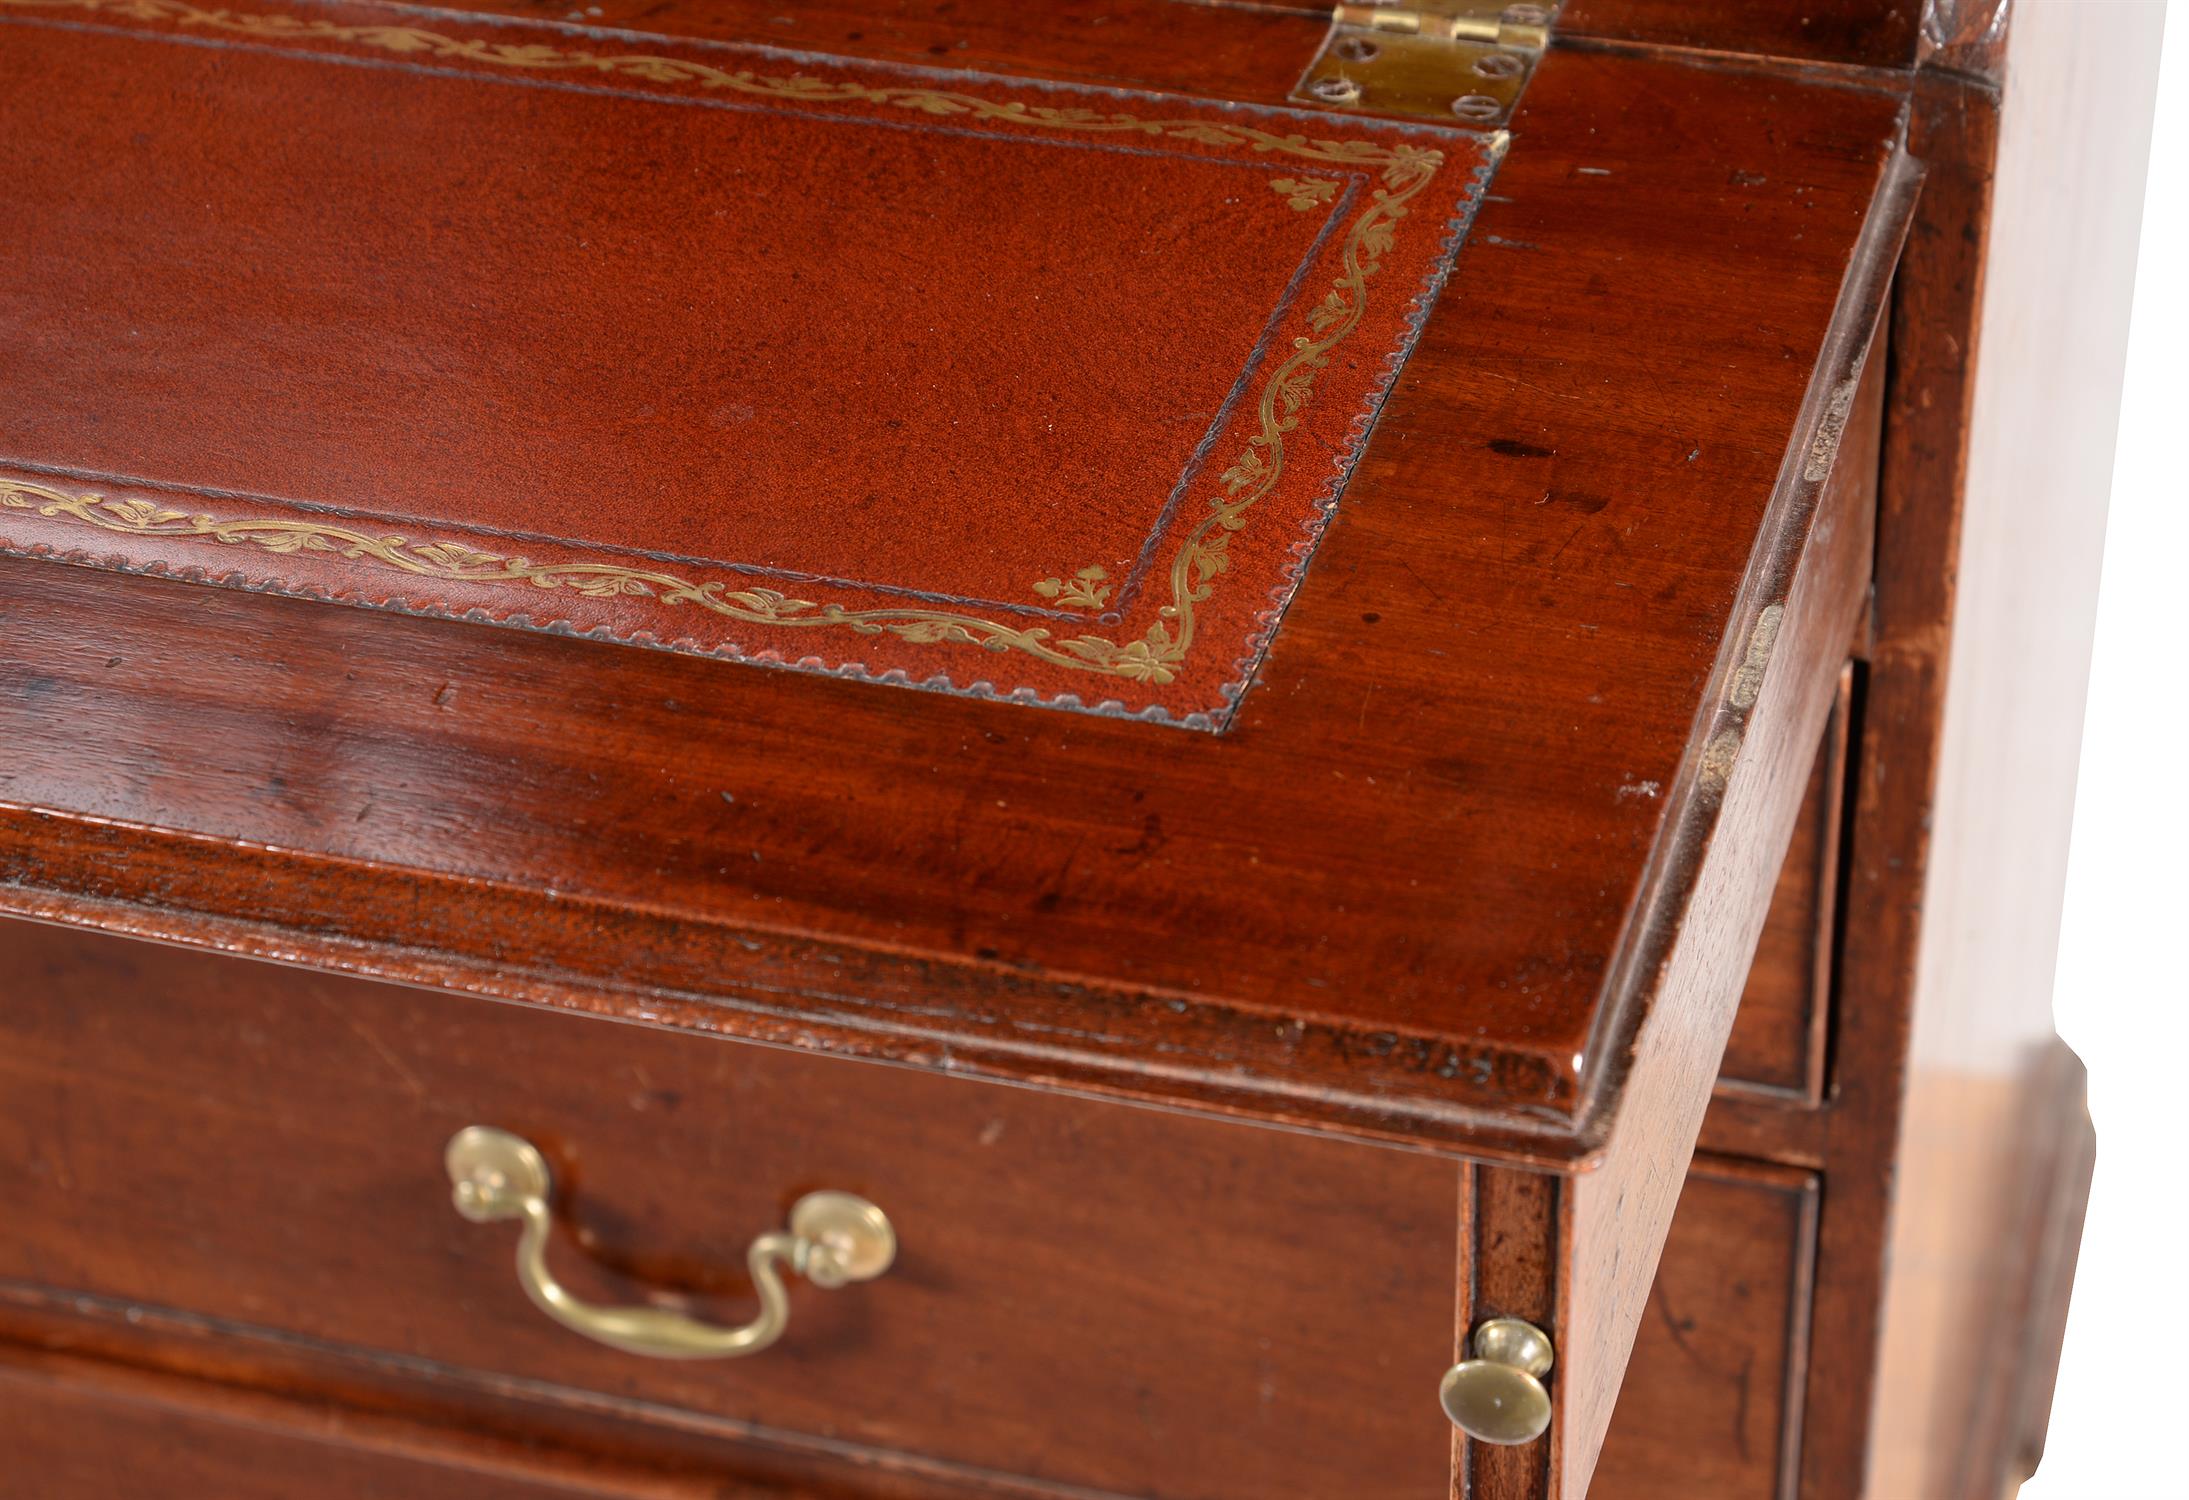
{"points": [[932, 377]]}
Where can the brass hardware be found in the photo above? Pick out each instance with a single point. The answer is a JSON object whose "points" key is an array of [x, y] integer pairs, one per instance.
{"points": [[1444, 59], [834, 1239], [1498, 1396]]}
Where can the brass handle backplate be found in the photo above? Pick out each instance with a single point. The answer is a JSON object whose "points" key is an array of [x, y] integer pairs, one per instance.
{"points": [[834, 1239], [1498, 1396]]}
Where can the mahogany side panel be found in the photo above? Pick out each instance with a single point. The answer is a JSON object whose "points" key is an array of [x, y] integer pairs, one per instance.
{"points": [[1951, 1134], [2057, 1228], [1986, 1109]]}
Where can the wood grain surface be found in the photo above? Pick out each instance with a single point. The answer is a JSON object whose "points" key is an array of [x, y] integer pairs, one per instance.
{"points": [[1871, 33], [1934, 1264], [1619, 1211], [1712, 1405], [1991, 1104], [1092, 1297], [88, 1431], [1782, 1029], [1389, 900], [1456, 880]]}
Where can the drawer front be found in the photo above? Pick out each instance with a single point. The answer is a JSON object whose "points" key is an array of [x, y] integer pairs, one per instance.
{"points": [[1711, 1408], [1780, 1033], [1090, 1294], [83, 1433]]}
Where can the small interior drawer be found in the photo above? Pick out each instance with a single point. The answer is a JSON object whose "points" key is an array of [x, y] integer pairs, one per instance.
{"points": [[1711, 1408], [1782, 1031]]}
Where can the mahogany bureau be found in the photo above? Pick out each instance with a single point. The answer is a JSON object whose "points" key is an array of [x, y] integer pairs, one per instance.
{"points": [[1194, 750]]}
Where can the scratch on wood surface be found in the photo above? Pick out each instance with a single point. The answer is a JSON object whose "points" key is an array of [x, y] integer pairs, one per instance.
{"points": [[411, 1082]]}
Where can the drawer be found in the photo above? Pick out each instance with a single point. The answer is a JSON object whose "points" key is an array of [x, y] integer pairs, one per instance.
{"points": [[92, 1433], [1780, 1033], [1095, 1295], [1711, 1409]]}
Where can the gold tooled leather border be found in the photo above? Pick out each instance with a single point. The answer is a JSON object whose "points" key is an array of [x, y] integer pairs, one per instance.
{"points": [[1403, 169]]}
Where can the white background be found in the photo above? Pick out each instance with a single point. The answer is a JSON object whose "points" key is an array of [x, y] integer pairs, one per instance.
{"points": [[2120, 1421]]}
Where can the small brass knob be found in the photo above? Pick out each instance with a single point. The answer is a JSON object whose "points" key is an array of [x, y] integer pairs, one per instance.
{"points": [[1498, 1396]]}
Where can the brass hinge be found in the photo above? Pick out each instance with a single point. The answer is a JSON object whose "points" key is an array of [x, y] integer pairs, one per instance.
{"points": [[1445, 59]]}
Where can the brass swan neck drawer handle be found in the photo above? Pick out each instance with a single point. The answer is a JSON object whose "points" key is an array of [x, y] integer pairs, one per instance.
{"points": [[1498, 1396], [834, 1239]]}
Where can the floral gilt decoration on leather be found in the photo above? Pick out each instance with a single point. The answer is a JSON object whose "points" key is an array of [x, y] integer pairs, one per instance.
{"points": [[1401, 169], [1304, 193], [1085, 589]]}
